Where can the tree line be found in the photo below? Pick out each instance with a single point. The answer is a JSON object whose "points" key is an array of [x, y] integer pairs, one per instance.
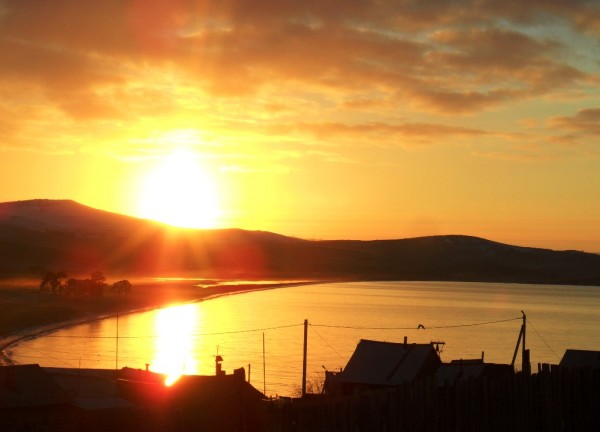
{"points": [[59, 283]]}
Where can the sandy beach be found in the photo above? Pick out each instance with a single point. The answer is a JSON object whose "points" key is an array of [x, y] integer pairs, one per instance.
{"points": [[28, 312]]}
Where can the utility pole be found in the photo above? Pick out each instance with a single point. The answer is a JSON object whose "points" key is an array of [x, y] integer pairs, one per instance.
{"points": [[264, 368], [525, 365], [117, 343], [304, 358]]}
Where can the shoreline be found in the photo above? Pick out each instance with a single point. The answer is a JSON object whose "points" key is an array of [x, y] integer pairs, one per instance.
{"points": [[180, 297]]}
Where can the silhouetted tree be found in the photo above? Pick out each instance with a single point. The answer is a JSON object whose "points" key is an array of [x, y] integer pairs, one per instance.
{"points": [[53, 281], [122, 287], [87, 288]]}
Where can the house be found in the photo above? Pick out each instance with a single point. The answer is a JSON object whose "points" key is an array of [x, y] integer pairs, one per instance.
{"points": [[61, 399], [219, 402], [376, 364], [470, 368], [574, 358]]}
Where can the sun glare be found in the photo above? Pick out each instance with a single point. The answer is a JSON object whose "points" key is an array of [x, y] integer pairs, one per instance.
{"points": [[178, 191], [174, 355]]}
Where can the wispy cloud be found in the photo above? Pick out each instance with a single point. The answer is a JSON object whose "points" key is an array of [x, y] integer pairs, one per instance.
{"points": [[384, 134], [582, 126]]}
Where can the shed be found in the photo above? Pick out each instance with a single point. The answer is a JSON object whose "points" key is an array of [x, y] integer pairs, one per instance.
{"points": [[384, 364], [471, 368], [574, 358]]}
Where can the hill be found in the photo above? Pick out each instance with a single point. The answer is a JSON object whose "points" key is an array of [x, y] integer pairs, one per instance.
{"points": [[40, 235]]}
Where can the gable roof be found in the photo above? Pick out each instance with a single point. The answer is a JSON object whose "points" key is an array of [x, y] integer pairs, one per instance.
{"points": [[470, 368], [387, 363], [581, 358]]}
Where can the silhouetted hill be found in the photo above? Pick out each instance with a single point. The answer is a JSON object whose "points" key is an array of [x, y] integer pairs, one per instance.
{"points": [[39, 235]]}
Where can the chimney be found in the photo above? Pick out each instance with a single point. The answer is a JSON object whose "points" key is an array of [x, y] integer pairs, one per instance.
{"points": [[218, 370], [405, 340]]}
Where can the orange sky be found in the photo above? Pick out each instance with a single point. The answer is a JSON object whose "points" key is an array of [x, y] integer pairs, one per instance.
{"points": [[317, 118]]}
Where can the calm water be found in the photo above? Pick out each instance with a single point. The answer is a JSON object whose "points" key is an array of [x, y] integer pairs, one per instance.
{"points": [[187, 338]]}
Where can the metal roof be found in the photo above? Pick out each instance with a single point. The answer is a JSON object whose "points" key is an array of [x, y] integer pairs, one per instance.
{"points": [[453, 371], [580, 358], [386, 363]]}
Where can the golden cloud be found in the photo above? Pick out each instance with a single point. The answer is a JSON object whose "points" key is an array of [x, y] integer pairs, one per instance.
{"points": [[136, 61], [585, 123]]}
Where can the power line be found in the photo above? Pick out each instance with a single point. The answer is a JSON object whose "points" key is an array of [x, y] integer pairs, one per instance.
{"points": [[476, 324], [247, 331], [543, 340], [46, 355], [327, 343], [192, 334], [361, 328], [420, 326]]}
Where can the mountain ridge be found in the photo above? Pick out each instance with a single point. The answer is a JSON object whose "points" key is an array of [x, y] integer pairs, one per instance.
{"points": [[41, 235]]}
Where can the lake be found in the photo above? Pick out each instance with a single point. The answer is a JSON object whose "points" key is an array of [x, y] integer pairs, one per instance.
{"points": [[262, 331]]}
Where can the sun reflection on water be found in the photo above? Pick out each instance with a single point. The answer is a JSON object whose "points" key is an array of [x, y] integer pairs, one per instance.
{"points": [[173, 353]]}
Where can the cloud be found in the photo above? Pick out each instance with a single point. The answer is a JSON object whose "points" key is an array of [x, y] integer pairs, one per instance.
{"points": [[299, 67], [383, 134], [584, 125]]}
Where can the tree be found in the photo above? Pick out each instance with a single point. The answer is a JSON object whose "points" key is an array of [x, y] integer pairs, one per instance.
{"points": [[122, 287], [53, 281]]}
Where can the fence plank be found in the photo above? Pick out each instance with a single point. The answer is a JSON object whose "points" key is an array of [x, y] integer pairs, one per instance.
{"points": [[555, 399]]}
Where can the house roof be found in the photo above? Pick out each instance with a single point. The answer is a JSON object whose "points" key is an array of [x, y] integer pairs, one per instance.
{"points": [[91, 388], [386, 363], [29, 386], [580, 358], [470, 368], [453, 371], [200, 389]]}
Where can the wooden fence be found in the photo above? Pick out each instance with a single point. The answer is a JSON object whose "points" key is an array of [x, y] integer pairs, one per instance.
{"points": [[554, 399]]}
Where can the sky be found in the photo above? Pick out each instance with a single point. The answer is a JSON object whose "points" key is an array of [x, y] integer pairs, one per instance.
{"points": [[319, 119]]}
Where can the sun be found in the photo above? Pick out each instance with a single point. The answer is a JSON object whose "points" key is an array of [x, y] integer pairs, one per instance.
{"points": [[178, 191]]}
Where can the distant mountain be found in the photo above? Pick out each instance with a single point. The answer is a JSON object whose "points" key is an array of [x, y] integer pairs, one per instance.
{"points": [[41, 235], [62, 215]]}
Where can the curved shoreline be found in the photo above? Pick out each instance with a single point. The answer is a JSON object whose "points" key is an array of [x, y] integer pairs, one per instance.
{"points": [[210, 293]]}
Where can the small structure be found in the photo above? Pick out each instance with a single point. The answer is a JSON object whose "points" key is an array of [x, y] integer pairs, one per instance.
{"points": [[470, 368], [377, 364], [218, 366], [574, 358]]}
